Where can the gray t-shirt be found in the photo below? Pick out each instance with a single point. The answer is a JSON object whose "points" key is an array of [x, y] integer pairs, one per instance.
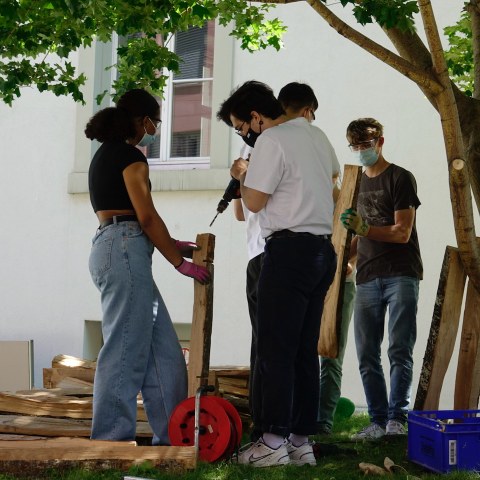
{"points": [[378, 199]]}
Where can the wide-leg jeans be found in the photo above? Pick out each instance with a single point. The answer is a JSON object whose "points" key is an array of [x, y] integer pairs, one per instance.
{"points": [[400, 295], [294, 280], [141, 351]]}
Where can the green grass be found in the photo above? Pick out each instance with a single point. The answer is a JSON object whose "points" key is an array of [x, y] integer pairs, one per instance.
{"points": [[339, 461]]}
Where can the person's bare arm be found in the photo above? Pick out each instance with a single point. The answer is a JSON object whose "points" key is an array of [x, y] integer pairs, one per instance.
{"points": [[238, 210], [399, 232], [136, 181], [254, 200]]}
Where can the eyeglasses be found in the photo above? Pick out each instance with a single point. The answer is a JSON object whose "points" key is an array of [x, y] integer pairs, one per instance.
{"points": [[157, 122], [238, 130], [355, 147]]}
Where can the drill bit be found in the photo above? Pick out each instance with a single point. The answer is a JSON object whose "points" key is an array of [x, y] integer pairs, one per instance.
{"points": [[214, 218]]}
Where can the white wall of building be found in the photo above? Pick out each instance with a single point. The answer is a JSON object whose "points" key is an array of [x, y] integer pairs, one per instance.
{"points": [[45, 289]]}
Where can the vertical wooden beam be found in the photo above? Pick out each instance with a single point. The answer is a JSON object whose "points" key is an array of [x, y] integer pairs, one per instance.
{"points": [[467, 382], [443, 331], [199, 359], [341, 239]]}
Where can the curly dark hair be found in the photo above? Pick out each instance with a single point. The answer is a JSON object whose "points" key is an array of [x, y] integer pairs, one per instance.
{"points": [[118, 123]]}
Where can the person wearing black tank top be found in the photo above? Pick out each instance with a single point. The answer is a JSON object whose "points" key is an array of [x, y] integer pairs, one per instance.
{"points": [[141, 351]]}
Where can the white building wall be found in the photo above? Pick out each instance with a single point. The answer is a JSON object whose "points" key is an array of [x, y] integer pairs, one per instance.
{"points": [[45, 289]]}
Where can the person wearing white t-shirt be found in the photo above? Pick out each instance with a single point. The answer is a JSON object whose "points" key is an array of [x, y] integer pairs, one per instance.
{"points": [[289, 185]]}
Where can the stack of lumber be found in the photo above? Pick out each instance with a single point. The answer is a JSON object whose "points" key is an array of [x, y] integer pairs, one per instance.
{"points": [[43, 428], [50, 427], [233, 383]]}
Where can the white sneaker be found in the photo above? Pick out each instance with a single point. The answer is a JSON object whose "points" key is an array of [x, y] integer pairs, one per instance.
{"points": [[260, 455], [302, 455], [394, 427], [372, 432]]}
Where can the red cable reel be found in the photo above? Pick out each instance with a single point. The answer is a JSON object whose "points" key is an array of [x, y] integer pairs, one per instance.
{"points": [[220, 427]]}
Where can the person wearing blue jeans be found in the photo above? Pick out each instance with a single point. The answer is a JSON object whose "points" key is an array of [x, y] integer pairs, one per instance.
{"points": [[389, 269], [141, 351]]}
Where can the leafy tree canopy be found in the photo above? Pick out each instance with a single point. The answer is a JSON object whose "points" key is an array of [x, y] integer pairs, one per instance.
{"points": [[37, 37], [460, 54]]}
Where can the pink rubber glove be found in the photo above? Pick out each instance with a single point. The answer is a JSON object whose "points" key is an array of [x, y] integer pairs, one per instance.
{"points": [[186, 248], [199, 273]]}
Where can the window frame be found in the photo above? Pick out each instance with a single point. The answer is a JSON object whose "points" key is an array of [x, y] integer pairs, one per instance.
{"points": [[181, 176]]}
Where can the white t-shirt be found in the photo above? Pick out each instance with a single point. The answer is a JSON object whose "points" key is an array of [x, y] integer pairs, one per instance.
{"points": [[294, 163], [255, 241]]}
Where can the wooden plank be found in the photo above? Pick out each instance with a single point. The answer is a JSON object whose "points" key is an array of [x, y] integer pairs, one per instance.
{"points": [[232, 390], [467, 382], [14, 438], [341, 239], [52, 377], [89, 454], [42, 393], [443, 331], [62, 360], [52, 407], [199, 359], [55, 427]]}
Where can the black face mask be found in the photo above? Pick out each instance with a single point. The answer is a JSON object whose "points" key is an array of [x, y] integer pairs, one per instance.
{"points": [[250, 138]]}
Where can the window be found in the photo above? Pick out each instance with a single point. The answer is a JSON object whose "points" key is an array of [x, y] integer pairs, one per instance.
{"points": [[186, 110], [185, 157]]}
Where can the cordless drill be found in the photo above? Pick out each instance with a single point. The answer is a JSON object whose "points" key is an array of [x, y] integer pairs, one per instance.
{"points": [[231, 192]]}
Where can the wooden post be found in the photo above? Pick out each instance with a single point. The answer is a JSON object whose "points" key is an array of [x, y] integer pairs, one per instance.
{"points": [[443, 331], [467, 382], [199, 359], [341, 239]]}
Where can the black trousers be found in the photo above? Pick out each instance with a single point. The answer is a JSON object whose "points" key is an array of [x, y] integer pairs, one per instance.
{"points": [[295, 276], [253, 273]]}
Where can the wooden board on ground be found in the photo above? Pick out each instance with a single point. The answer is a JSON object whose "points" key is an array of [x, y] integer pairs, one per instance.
{"points": [[341, 238], [467, 382], [62, 360], [63, 453], [55, 427], [45, 393], [443, 331], [67, 376], [52, 407], [199, 359]]}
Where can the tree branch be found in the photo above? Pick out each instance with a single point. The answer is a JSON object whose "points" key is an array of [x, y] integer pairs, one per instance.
{"points": [[459, 176], [411, 71], [410, 47]]}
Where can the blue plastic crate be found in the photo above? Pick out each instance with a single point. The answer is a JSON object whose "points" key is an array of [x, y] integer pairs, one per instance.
{"points": [[445, 440]]}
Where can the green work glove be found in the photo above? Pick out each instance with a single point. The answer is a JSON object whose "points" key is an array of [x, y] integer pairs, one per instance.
{"points": [[352, 220]]}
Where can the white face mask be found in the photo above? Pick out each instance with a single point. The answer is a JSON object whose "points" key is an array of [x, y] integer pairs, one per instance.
{"points": [[147, 138]]}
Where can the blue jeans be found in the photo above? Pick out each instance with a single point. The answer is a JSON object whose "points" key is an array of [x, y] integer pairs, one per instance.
{"points": [[331, 368], [294, 280], [400, 295], [141, 352]]}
